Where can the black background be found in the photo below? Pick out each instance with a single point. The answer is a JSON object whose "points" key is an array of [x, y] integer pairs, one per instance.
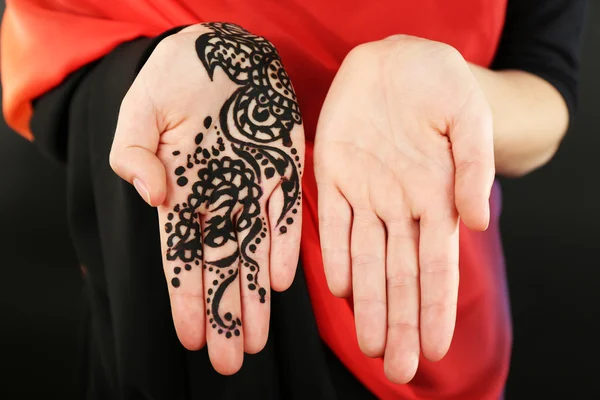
{"points": [[550, 227]]}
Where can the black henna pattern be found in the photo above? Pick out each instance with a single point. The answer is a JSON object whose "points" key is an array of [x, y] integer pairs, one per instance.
{"points": [[260, 114]]}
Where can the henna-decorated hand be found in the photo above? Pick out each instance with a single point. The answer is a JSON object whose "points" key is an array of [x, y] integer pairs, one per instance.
{"points": [[403, 148], [210, 132]]}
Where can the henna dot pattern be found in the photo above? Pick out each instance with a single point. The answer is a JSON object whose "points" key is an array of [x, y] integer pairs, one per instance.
{"points": [[182, 181], [248, 142]]}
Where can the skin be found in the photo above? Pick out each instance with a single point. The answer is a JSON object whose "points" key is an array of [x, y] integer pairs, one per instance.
{"points": [[408, 142], [162, 113], [530, 119]]}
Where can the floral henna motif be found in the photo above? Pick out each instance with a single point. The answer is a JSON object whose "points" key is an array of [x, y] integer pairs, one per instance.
{"points": [[255, 123]]}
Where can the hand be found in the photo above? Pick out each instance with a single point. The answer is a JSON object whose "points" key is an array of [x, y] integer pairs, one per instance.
{"points": [[210, 132], [403, 148]]}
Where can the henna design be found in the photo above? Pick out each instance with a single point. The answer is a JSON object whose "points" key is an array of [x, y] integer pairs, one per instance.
{"points": [[259, 115]]}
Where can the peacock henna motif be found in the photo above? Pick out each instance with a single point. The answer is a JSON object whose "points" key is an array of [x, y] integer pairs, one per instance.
{"points": [[255, 124]]}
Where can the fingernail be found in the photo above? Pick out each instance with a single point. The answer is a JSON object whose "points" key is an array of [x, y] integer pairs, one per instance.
{"points": [[141, 189], [488, 216]]}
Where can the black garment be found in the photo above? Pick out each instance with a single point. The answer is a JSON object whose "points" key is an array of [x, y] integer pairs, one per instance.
{"points": [[543, 37], [131, 349]]}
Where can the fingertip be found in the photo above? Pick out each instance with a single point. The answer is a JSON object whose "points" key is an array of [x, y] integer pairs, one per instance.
{"points": [[473, 212], [282, 278], [476, 221], [158, 196], [152, 173], [191, 343], [400, 367], [188, 318], [371, 348], [283, 262], [142, 190], [258, 341], [371, 328], [227, 361], [144, 171], [435, 354], [483, 222], [339, 286], [434, 346]]}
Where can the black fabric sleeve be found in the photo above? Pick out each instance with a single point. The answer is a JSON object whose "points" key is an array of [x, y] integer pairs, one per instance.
{"points": [[543, 37]]}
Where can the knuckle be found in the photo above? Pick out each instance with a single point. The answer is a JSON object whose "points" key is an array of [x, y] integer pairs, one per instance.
{"points": [[450, 51], [476, 165], [486, 117], [128, 107], [366, 260], [464, 165], [362, 55], [253, 297], [261, 258], [403, 325], [167, 45], [480, 157], [357, 52], [365, 217], [186, 295], [439, 266], [115, 161], [440, 212], [449, 55], [365, 301], [438, 307], [339, 286], [401, 280], [401, 228], [333, 252], [332, 221]]}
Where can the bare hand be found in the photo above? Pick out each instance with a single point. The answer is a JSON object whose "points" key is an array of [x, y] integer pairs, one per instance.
{"points": [[403, 148]]}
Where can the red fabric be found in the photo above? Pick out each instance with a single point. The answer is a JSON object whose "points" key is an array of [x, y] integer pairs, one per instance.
{"points": [[44, 40]]}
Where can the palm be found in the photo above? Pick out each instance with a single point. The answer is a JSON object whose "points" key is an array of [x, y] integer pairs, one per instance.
{"points": [[386, 172]]}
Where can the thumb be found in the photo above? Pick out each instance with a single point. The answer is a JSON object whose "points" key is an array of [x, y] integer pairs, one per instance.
{"points": [[472, 141], [133, 153]]}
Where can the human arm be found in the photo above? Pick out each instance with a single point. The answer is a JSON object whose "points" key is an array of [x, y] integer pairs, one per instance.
{"points": [[530, 119], [532, 83], [423, 147]]}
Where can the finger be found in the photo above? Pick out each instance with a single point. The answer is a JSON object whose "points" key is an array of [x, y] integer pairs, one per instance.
{"points": [[133, 152], [473, 150], [285, 219], [182, 262], [439, 275], [254, 246], [335, 219], [402, 349], [368, 281], [224, 333]]}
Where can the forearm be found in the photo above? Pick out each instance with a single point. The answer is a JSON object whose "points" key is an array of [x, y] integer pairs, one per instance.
{"points": [[530, 119]]}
